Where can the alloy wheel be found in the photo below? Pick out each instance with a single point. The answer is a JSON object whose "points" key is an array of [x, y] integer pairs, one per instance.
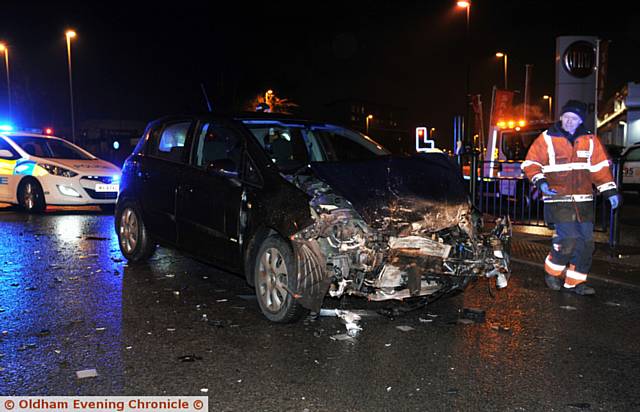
{"points": [[128, 230], [272, 279]]}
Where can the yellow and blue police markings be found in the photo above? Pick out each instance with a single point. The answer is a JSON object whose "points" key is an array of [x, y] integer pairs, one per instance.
{"points": [[29, 168], [6, 169]]}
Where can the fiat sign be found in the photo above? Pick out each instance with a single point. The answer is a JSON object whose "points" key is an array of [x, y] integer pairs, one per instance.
{"points": [[579, 59]]}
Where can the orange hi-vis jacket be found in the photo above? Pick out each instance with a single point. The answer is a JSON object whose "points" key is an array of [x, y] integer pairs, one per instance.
{"points": [[570, 169]]}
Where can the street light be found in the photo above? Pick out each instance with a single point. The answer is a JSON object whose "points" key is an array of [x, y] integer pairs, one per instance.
{"points": [[367, 119], [5, 49], [467, 121], [550, 99], [499, 55], [70, 34]]}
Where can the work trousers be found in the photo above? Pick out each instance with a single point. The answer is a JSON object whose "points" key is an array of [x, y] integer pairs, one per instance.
{"points": [[572, 250]]}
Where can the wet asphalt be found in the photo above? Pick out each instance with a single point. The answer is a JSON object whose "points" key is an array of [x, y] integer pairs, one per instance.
{"points": [[69, 302]]}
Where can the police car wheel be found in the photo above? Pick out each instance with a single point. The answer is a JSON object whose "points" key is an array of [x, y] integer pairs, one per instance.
{"points": [[31, 196], [135, 241], [274, 279]]}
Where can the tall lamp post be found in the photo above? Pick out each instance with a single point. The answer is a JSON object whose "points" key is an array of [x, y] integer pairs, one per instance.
{"points": [[5, 49], [467, 5], [70, 34], [500, 55], [367, 119], [550, 99]]}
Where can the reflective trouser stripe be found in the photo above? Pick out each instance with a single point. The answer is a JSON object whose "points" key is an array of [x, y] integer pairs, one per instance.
{"points": [[553, 269], [574, 278]]}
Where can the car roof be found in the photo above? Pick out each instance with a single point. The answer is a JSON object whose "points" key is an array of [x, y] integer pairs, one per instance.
{"points": [[12, 134], [244, 116]]}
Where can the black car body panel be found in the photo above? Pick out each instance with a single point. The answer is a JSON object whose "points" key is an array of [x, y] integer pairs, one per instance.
{"points": [[382, 227]]}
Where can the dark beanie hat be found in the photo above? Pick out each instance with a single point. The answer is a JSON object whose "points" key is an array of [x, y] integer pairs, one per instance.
{"points": [[575, 107]]}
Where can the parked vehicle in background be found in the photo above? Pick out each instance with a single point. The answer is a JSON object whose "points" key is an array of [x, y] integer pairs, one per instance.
{"points": [[37, 170], [631, 168], [305, 210]]}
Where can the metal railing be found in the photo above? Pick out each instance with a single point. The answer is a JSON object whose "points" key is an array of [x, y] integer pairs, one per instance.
{"points": [[500, 188]]}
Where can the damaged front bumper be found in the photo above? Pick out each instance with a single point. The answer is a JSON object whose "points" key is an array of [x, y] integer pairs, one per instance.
{"points": [[341, 255]]}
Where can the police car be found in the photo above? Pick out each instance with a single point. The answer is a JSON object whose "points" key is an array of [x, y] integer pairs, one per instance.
{"points": [[631, 168], [37, 170]]}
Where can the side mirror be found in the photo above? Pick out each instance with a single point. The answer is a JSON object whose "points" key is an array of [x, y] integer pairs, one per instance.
{"points": [[223, 167]]}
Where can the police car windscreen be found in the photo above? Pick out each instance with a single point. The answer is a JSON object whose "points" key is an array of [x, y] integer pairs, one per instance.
{"points": [[49, 148]]}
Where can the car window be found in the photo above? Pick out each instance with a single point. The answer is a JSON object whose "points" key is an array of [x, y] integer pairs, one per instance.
{"points": [[6, 146], [633, 155], [283, 144], [291, 146], [169, 143], [516, 144], [216, 142], [337, 144], [50, 148]]}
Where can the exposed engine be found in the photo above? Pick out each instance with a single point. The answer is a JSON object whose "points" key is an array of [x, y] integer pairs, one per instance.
{"points": [[415, 248]]}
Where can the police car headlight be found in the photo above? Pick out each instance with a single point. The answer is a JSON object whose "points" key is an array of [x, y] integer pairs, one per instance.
{"points": [[57, 170]]}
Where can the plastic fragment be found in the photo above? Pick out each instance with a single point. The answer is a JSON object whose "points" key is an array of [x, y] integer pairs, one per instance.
{"points": [[404, 328], [568, 307], [423, 320], [189, 358], [87, 373]]}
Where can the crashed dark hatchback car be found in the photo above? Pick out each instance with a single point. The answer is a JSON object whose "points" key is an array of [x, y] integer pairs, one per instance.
{"points": [[304, 210]]}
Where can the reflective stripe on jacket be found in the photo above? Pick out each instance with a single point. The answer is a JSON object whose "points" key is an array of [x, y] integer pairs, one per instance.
{"points": [[568, 168]]}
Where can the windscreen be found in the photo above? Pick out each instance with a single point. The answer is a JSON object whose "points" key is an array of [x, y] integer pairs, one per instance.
{"points": [[515, 145], [49, 148], [291, 146]]}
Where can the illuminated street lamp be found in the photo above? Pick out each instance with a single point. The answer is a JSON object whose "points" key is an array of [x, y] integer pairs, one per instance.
{"points": [[550, 99], [70, 34], [367, 119], [499, 55], [467, 123], [3, 48]]}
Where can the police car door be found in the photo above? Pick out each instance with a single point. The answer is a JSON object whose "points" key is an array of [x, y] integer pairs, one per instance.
{"points": [[8, 158]]}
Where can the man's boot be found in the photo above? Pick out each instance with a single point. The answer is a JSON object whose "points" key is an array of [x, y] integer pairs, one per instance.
{"points": [[581, 289], [553, 282]]}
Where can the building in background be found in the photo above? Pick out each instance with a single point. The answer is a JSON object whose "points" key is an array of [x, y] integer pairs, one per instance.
{"points": [[112, 140], [385, 123], [619, 117]]}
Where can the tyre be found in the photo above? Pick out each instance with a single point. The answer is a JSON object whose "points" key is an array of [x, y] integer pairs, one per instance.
{"points": [[136, 244], [274, 276], [108, 209], [31, 196]]}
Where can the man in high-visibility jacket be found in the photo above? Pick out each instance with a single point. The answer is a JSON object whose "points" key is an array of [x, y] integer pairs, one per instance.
{"points": [[564, 162]]}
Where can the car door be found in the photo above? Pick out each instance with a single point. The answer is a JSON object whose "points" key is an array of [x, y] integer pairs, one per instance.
{"points": [[8, 180], [159, 175], [210, 193]]}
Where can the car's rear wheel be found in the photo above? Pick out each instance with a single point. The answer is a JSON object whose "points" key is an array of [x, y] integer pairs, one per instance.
{"points": [[275, 277], [136, 244], [31, 196]]}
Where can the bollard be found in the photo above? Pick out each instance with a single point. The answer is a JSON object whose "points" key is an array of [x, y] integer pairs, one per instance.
{"points": [[473, 175], [614, 216]]}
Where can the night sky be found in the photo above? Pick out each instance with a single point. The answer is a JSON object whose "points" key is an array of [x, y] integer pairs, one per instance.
{"points": [[137, 62]]}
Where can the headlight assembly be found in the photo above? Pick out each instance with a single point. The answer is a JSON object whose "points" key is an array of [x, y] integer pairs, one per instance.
{"points": [[57, 170]]}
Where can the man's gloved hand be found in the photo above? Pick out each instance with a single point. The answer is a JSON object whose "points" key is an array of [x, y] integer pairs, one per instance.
{"points": [[544, 187], [615, 201]]}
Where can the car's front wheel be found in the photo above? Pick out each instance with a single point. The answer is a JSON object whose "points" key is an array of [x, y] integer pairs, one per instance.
{"points": [[31, 196], [275, 278], [134, 239]]}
